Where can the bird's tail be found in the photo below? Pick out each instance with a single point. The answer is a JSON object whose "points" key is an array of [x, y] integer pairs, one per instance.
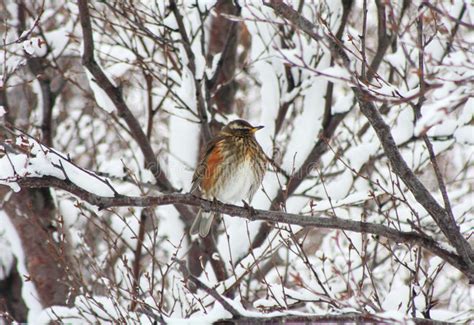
{"points": [[202, 223]]}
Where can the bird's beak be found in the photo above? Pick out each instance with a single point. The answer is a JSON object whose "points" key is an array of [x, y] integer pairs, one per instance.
{"points": [[256, 128]]}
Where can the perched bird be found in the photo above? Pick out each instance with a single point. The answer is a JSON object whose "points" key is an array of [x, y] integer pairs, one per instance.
{"points": [[231, 170]]}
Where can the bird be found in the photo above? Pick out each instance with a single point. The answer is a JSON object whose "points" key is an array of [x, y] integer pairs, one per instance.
{"points": [[231, 170]]}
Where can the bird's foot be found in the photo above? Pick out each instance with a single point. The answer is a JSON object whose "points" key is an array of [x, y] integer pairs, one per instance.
{"points": [[215, 203], [249, 207]]}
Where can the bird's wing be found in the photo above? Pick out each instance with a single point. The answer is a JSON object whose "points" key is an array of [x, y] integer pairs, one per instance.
{"points": [[202, 172]]}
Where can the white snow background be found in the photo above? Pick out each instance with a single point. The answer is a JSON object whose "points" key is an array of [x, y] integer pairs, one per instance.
{"points": [[176, 142]]}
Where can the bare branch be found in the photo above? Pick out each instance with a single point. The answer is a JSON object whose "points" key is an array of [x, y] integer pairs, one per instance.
{"points": [[115, 95], [329, 126], [329, 319], [201, 106], [212, 292], [417, 108], [251, 214], [447, 15], [400, 167]]}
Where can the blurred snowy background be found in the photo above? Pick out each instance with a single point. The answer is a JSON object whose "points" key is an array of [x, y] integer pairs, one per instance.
{"points": [[185, 69]]}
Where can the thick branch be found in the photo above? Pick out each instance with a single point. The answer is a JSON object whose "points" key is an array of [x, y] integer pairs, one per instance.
{"points": [[232, 210], [417, 108], [400, 167], [329, 125], [345, 318], [115, 95], [384, 40], [422, 195]]}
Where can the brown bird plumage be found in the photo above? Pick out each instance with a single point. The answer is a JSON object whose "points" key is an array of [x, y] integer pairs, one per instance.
{"points": [[231, 170]]}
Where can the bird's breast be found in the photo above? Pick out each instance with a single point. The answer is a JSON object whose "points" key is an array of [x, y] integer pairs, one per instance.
{"points": [[238, 182]]}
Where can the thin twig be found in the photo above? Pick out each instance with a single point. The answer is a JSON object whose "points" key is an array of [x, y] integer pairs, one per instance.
{"points": [[382, 129], [116, 97], [201, 106], [212, 292], [136, 259], [429, 146]]}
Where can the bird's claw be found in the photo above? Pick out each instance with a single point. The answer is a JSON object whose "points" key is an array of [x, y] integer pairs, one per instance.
{"points": [[250, 208], [215, 203]]}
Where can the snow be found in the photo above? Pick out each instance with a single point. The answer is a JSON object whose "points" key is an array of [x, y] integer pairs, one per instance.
{"points": [[467, 113], [336, 74], [343, 103], [216, 313], [360, 154], [352, 199], [59, 42], [445, 128], [89, 310], [200, 61], [93, 141], [101, 97], [404, 126], [35, 47], [184, 146], [9, 170], [92, 183], [114, 167], [465, 134], [340, 189], [6, 254], [215, 62], [119, 70], [309, 124], [28, 290], [206, 4], [441, 146], [435, 110], [170, 21], [43, 161], [187, 91], [397, 59], [269, 100]]}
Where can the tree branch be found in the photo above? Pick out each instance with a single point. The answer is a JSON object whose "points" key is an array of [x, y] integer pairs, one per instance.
{"points": [[212, 292], [253, 215], [447, 15], [384, 40], [345, 318], [417, 109], [115, 95], [201, 106], [400, 167]]}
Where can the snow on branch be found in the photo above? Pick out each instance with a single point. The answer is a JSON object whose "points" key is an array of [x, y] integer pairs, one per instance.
{"points": [[27, 158], [441, 216], [30, 164], [116, 97]]}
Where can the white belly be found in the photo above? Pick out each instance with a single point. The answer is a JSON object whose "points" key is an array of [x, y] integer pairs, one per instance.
{"points": [[240, 185]]}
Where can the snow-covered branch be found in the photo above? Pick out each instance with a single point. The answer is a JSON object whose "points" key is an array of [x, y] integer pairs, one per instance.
{"points": [[363, 214], [113, 92], [447, 224], [43, 167]]}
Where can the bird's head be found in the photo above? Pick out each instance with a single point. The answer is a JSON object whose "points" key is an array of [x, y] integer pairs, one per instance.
{"points": [[240, 128]]}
